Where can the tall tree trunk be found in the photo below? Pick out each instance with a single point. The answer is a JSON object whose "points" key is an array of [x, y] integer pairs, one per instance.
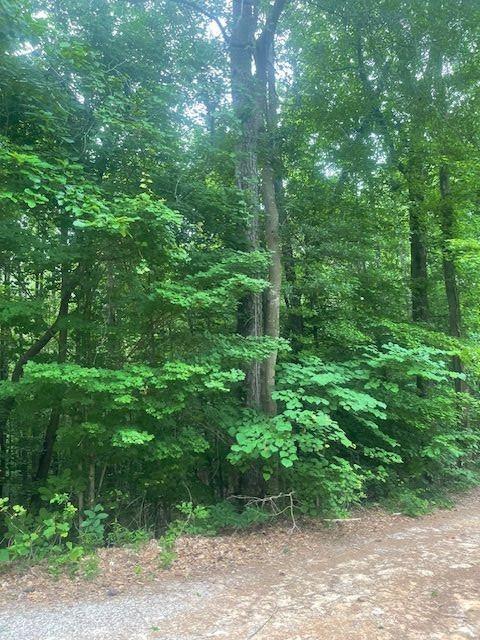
{"points": [[254, 102], [449, 270], [250, 105], [6, 407], [418, 264], [50, 437], [246, 107], [272, 188], [3, 405], [91, 483], [272, 310], [418, 247]]}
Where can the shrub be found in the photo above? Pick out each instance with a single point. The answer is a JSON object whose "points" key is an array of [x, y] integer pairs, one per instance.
{"points": [[92, 528], [355, 429], [47, 535]]}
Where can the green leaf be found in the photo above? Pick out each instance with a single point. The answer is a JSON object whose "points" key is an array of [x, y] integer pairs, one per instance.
{"points": [[4, 555]]}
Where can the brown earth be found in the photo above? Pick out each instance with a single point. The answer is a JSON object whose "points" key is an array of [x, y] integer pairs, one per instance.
{"points": [[380, 577]]}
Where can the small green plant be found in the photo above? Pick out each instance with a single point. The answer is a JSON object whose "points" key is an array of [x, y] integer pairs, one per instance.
{"points": [[90, 567], [175, 529], [167, 555], [92, 528], [410, 503], [224, 516], [121, 536]]}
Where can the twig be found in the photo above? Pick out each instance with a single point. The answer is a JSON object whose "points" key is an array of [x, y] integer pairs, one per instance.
{"points": [[116, 66], [272, 501], [264, 624], [256, 499]]}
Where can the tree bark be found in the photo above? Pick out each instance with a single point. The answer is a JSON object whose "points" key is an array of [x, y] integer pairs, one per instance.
{"points": [[3, 376], [418, 257], [91, 483], [246, 106], [449, 270], [50, 437], [272, 188], [418, 251], [272, 310]]}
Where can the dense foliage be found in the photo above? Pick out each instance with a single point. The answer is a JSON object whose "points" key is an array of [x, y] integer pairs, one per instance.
{"points": [[220, 277]]}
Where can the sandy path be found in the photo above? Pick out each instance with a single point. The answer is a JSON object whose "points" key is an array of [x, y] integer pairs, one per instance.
{"points": [[405, 580]]}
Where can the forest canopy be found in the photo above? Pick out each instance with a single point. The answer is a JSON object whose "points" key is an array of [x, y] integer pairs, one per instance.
{"points": [[239, 252]]}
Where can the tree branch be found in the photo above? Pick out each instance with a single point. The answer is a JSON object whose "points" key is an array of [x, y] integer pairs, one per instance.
{"points": [[374, 99], [271, 22], [199, 9], [264, 42], [49, 333]]}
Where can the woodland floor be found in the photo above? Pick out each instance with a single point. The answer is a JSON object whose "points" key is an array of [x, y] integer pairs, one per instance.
{"points": [[380, 577]]}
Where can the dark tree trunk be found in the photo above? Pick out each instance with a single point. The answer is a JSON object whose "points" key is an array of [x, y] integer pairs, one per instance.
{"points": [[7, 406], [418, 246], [449, 270], [418, 264], [49, 440], [50, 437]]}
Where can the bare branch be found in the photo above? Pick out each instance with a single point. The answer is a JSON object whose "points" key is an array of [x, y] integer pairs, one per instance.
{"points": [[272, 502]]}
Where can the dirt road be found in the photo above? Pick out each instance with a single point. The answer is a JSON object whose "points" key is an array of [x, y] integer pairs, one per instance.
{"points": [[381, 578]]}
